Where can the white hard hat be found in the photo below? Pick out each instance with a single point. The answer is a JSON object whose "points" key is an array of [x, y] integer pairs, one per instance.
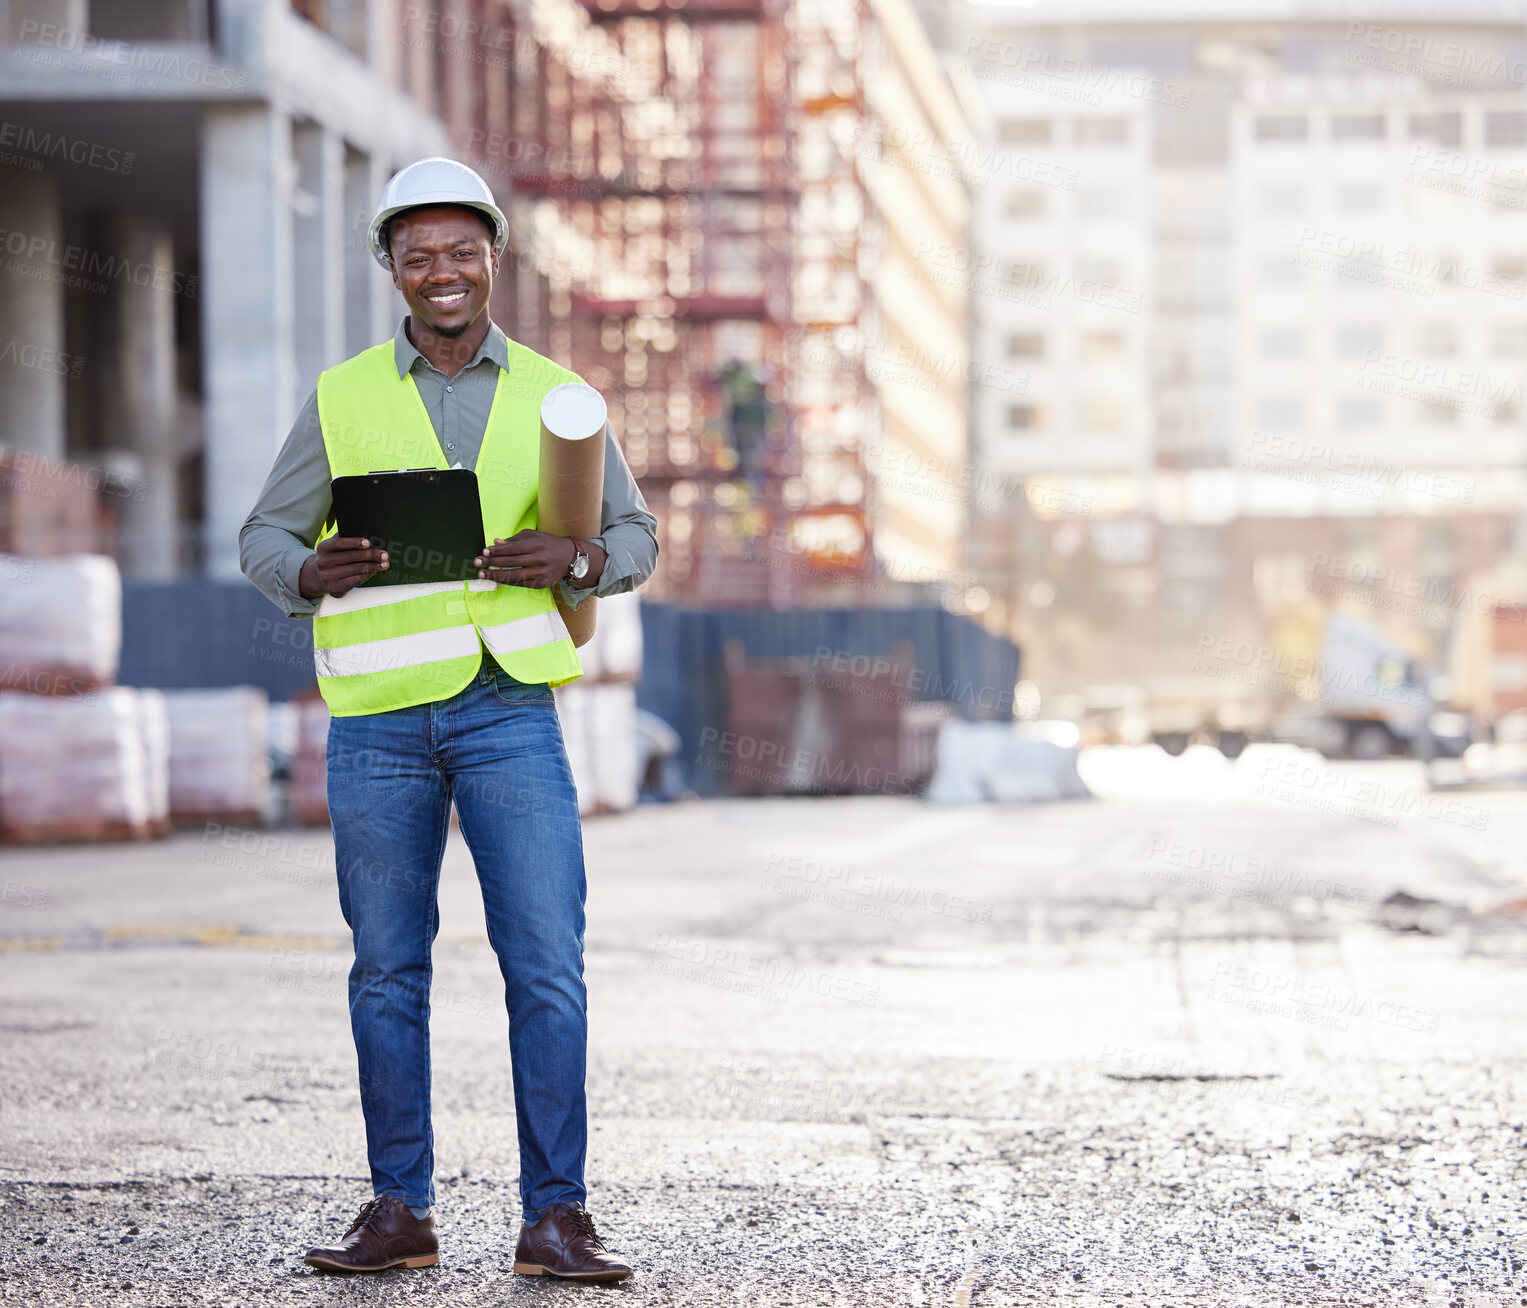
{"points": [[435, 181]]}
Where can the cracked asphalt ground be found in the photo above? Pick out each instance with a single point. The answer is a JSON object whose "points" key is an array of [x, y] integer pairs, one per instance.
{"points": [[1193, 1042]]}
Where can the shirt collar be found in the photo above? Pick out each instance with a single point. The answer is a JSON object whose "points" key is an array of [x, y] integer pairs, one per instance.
{"points": [[495, 346]]}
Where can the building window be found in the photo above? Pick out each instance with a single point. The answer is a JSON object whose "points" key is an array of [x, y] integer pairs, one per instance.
{"points": [[1357, 127], [1282, 127], [1438, 413], [1283, 343], [1506, 128], [1098, 346], [1026, 274], [1281, 413], [1437, 338], [1024, 417], [146, 20], [1026, 345], [342, 19], [1364, 412], [1511, 339], [1101, 131], [1025, 204], [1024, 131], [1359, 341], [1440, 129], [1102, 415], [1280, 201], [1511, 268], [1359, 199]]}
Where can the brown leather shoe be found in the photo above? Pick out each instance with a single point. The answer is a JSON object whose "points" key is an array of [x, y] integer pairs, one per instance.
{"points": [[384, 1234], [564, 1243]]}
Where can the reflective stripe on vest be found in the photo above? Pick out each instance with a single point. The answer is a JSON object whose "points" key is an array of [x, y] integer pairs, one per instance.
{"points": [[380, 648]]}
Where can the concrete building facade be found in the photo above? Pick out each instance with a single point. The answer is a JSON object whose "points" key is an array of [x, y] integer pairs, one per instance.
{"points": [[1322, 209], [916, 350], [184, 197]]}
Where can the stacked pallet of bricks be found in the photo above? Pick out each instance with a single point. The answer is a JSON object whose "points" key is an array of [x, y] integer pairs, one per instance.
{"points": [[93, 768], [52, 507], [219, 759], [80, 758], [598, 711]]}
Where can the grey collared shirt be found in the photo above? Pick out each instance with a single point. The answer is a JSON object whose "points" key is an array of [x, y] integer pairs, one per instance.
{"points": [[284, 524]]}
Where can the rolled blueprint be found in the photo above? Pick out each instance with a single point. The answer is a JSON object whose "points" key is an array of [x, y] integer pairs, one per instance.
{"points": [[571, 495]]}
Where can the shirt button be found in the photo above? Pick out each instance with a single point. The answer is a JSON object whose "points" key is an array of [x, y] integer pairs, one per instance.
{"points": [[449, 389]]}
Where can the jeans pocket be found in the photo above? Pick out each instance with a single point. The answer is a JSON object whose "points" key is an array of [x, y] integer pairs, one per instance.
{"points": [[510, 691]]}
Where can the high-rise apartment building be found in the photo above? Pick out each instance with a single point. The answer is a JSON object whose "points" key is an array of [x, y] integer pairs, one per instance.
{"points": [[1312, 219], [736, 243]]}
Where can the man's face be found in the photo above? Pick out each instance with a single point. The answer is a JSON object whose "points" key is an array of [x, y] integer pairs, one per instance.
{"points": [[443, 262]]}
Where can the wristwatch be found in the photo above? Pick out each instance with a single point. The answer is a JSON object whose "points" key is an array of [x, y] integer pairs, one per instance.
{"points": [[579, 568]]}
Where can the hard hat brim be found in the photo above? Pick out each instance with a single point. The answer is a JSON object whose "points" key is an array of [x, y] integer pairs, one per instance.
{"points": [[491, 212]]}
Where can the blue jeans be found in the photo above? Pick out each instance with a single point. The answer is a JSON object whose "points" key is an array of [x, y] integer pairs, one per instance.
{"points": [[496, 751]]}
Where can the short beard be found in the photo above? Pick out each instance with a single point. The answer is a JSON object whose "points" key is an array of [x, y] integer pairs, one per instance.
{"points": [[451, 333]]}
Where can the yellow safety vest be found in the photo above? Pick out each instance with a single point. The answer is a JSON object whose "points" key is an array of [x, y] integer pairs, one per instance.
{"points": [[389, 647]]}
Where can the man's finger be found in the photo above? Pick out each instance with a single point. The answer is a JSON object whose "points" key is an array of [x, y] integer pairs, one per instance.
{"points": [[334, 543], [515, 549], [331, 557], [337, 586], [359, 561]]}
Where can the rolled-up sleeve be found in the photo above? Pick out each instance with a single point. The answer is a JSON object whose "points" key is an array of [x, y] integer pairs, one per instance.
{"points": [[286, 520], [628, 534]]}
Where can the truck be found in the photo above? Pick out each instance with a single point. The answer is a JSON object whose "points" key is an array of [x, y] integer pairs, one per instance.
{"points": [[1374, 698], [1327, 680]]}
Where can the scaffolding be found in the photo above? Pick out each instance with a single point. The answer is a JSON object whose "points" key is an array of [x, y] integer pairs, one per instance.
{"points": [[689, 234]]}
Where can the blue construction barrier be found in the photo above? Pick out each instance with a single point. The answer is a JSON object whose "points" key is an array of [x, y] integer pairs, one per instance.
{"points": [[184, 635], [197, 633], [684, 679]]}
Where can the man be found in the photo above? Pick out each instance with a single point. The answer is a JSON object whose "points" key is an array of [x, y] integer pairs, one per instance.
{"points": [[441, 694]]}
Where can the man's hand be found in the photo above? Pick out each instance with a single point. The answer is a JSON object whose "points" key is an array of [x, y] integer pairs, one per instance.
{"points": [[339, 565], [535, 559]]}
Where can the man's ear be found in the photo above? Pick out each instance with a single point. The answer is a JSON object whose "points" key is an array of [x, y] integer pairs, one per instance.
{"points": [[494, 259], [393, 269]]}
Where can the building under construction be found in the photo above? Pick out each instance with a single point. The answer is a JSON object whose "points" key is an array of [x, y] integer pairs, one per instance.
{"points": [[717, 212], [724, 216]]}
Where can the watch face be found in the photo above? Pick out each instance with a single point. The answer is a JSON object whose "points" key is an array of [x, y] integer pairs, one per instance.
{"points": [[580, 566]]}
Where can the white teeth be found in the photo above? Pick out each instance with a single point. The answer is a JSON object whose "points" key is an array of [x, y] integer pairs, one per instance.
{"points": [[449, 299]]}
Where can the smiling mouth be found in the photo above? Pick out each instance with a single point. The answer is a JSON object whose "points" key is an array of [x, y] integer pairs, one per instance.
{"points": [[447, 301]]}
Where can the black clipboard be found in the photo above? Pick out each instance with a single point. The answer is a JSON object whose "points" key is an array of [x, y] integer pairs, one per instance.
{"points": [[429, 520]]}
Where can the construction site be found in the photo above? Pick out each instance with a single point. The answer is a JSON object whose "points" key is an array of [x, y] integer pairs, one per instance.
{"points": [[719, 217], [1050, 826], [714, 217]]}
